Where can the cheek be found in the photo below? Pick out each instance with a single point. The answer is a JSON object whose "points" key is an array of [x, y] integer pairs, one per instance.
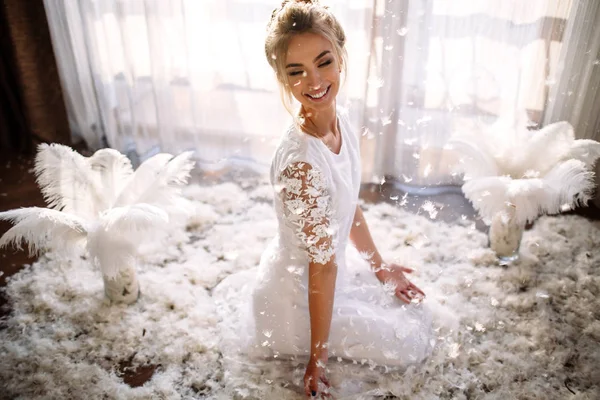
{"points": [[333, 75], [296, 86]]}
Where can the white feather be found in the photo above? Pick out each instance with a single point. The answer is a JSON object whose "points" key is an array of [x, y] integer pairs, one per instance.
{"points": [[475, 161], [113, 169], [160, 186], [585, 150], [540, 172], [512, 149], [179, 168], [87, 191], [110, 252], [143, 178], [487, 194], [131, 220], [42, 228], [569, 183], [542, 149], [67, 181], [113, 242]]}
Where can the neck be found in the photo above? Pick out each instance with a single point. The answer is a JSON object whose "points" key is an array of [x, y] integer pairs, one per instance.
{"points": [[321, 122]]}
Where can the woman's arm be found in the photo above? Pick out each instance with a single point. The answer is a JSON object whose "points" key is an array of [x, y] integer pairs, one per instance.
{"points": [[321, 289], [307, 208], [386, 273], [362, 240]]}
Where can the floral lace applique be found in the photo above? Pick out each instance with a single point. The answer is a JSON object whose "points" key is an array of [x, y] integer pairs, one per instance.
{"points": [[306, 204]]}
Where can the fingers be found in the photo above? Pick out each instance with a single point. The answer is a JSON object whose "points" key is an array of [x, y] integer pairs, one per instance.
{"points": [[400, 289], [415, 296], [402, 295], [314, 386], [400, 285], [309, 388], [325, 392], [415, 288], [410, 294], [401, 268], [411, 287], [404, 289]]}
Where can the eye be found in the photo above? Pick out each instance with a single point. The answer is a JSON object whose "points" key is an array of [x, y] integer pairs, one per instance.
{"points": [[295, 73], [325, 63]]}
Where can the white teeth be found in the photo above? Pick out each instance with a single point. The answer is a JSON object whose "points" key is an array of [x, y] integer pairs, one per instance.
{"points": [[318, 95]]}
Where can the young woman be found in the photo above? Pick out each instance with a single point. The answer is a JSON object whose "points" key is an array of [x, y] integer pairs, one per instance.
{"points": [[305, 301]]}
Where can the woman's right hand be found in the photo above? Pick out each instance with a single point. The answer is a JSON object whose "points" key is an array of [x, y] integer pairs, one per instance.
{"points": [[315, 373]]}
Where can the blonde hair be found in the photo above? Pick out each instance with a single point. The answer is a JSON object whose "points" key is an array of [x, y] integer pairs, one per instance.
{"points": [[295, 17]]}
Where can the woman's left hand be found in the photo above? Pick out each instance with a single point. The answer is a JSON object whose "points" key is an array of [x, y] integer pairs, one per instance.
{"points": [[404, 289]]}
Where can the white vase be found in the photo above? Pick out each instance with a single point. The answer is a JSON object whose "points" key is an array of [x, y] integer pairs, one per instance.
{"points": [[505, 235], [124, 288]]}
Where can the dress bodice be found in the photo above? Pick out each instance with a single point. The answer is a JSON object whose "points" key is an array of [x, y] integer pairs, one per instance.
{"points": [[330, 195]]}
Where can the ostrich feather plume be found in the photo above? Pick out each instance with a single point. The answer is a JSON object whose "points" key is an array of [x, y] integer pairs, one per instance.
{"points": [[99, 202], [539, 172]]}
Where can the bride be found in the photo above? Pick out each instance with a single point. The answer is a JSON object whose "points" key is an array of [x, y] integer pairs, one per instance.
{"points": [[307, 299]]}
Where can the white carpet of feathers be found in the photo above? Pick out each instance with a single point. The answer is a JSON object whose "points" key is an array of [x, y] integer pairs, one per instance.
{"points": [[529, 331]]}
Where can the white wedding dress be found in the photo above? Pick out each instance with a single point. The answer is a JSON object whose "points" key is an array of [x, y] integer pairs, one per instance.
{"points": [[368, 323]]}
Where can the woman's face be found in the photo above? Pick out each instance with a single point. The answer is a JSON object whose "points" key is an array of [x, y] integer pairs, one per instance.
{"points": [[313, 71]]}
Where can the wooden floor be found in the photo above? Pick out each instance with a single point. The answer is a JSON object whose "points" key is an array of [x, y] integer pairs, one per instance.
{"points": [[18, 189]]}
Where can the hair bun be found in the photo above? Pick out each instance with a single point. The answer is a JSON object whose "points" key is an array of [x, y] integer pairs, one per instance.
{"points": [[284, 2]]}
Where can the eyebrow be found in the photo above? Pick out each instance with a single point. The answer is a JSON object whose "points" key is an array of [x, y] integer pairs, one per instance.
{"points": [[316, 58]]}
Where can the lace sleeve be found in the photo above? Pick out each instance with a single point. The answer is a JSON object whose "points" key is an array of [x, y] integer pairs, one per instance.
{"points": [[306, 204]]}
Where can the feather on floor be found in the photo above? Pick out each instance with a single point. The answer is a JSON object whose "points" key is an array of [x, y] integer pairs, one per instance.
{"points": [[527, 331]]}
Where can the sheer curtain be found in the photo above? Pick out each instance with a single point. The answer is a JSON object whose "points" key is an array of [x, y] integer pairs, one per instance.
{"points": [[145, 76], [441, 66], [170, 75], [575, 96]]}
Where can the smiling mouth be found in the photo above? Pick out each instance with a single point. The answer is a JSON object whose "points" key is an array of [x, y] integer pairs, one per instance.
{"points": [[320, 95]]}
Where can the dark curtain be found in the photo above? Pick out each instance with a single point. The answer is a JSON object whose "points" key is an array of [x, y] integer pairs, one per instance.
{"points": [[32, 108]]}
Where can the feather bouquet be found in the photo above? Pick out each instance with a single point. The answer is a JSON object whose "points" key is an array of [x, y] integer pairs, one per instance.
{"points": [[100, 204], [513, 175]]}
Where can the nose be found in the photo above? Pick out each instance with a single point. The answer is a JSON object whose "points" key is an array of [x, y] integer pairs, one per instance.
{"points": [[314, 81]]}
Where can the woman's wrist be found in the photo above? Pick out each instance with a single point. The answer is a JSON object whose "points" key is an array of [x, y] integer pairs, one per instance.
{"points": [[319, 354], [379, 267], [376, 263], [317, 360]]}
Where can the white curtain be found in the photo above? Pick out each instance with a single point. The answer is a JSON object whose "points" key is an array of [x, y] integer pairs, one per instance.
{"points": [[74, 67], [145, 76], [171, 75], [575, 97], [441, 66]]}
